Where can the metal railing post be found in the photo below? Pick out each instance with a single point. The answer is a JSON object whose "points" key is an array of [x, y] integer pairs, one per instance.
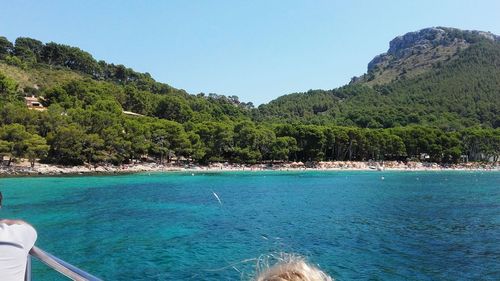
{"points": [[66, 269], [27, 274]]}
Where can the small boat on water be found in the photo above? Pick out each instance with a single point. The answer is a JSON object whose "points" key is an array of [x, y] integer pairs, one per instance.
{"points": [[377, 167]]}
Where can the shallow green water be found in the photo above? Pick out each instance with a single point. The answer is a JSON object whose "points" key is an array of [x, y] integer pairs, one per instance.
{"points": [[355, 225]]}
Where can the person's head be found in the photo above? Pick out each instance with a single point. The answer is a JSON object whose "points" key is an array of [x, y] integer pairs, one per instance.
{"points": [[293, 268]]}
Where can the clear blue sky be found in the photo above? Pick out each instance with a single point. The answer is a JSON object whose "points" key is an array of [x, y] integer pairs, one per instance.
{"points": [[257, 50]]}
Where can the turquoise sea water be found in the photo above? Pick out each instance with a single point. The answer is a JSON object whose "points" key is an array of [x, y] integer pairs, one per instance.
{"points": [[354, 225]]}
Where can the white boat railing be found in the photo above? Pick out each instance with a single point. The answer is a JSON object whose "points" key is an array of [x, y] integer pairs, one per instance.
{"points": [[66, 269]]}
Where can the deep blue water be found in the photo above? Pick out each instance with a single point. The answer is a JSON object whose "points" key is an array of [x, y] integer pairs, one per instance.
{"points": [[354, 225]]}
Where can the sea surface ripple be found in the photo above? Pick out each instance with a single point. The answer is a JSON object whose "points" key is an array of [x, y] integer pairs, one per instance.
{"points": [[354, 225]]}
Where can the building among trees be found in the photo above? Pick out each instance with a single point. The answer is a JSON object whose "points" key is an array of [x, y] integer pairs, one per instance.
{"points": [[33, 102]]}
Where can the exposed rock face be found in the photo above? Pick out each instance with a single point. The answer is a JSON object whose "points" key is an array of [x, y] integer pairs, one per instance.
{"points": [[429, 38], [415, 52], [419, 40]]}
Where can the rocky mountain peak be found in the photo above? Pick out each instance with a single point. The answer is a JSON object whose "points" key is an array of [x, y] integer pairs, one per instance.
{"points": [[428, 38], [418, 40], [414, 52]]}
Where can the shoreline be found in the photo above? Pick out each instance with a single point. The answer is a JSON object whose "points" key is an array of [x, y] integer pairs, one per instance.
{"points": [[56, 170]]}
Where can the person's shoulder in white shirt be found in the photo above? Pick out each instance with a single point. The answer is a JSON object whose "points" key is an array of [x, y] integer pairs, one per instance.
{"points": [[16, 240]]}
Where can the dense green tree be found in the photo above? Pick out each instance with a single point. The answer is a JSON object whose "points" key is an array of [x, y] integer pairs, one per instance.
{"points": [[71, 57], [284, 148], [341, 141], [218, 140], [168, 139], [58, 95], [174, 108], [93, 149], [139, 137], [394, 147], [197, 147], [36, 148], [16, 135], [265, 141], [66, 145], [246, 141], [19, 143], [28, 49], [54, 117], [246, 135], [481, 144], [8, 89], [5, 150], [6, 47], [116, 144], [138, 101]]}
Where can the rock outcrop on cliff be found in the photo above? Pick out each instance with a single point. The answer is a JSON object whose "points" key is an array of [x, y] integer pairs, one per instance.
{"points": [[415, 52]]}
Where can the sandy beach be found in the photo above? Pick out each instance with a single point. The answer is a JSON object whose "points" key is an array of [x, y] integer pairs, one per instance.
{"points": [[24, 169]]}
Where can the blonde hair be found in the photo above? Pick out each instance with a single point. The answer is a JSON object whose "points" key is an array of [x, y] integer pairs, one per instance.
{"points": [[292, 268]]}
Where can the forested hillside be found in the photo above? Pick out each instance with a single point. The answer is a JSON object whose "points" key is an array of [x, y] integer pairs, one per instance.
{"points": [[445, 112], [452, 93]]}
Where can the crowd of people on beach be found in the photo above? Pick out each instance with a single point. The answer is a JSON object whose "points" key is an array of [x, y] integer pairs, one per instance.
{"points": [[47, 169]]}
